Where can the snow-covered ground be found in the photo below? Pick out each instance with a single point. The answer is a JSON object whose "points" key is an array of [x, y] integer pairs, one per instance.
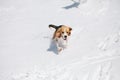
{"points": [[26, 50]]}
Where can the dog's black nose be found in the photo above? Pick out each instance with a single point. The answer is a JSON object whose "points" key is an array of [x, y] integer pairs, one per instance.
{"points": [[65, 36]]}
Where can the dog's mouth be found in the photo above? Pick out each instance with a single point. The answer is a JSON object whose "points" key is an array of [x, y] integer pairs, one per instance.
{"points": [[65, 38]]}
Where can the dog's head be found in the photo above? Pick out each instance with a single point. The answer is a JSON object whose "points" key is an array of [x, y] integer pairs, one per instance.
{"points": [[64, 32]]}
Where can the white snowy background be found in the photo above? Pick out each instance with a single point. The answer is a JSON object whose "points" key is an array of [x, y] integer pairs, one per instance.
{"points": [[26, 50]]}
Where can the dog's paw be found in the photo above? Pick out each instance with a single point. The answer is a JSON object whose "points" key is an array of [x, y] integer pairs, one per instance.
{"points": [[60, 49]]}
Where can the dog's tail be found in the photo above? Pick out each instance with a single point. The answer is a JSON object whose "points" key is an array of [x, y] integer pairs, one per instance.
{"points": [[54, 26]]}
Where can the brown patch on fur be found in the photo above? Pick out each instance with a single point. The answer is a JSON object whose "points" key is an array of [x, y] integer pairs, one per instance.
{"points": [[57, 33]]}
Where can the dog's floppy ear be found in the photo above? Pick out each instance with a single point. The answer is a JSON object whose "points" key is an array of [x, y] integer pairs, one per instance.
{"points": [[57, 33], [70, 28]]}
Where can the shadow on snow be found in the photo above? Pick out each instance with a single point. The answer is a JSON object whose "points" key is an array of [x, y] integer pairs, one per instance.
{"points": [[73, 5], [52, 47]]}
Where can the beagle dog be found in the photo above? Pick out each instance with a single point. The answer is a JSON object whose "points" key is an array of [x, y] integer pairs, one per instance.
{"points": [[61, 36]]}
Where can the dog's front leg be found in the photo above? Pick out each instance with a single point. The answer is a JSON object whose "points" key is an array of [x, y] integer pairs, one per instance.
{"points": [[59, 49], [65, 44]]}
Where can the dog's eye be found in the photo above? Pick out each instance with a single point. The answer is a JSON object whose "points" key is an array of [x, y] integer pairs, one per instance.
{"points": [[62, 32]]}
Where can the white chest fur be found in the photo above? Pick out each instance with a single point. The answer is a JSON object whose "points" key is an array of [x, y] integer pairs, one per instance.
{"points": [[62, 43]]}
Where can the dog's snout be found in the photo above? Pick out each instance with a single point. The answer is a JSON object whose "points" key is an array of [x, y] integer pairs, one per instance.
{"points": [[65, 36]]}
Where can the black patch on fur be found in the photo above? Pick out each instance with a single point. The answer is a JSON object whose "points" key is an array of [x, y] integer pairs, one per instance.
{"points": [[54, 26]]}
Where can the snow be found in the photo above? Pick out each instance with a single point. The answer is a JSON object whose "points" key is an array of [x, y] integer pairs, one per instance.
{"points": [[27, 52]]}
